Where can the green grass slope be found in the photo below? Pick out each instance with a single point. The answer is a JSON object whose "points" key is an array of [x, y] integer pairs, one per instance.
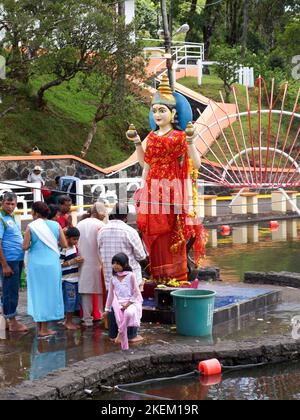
{"points": [[62, 127]]}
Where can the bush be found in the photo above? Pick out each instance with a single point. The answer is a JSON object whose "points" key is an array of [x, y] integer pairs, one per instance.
{"points": [[229, 62], [275, 61]]}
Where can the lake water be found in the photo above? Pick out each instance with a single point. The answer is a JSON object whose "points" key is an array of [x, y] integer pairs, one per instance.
{"points": [[273, 382], [255, 248]]}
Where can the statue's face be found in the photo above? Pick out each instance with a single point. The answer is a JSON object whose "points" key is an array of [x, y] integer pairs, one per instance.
{"points": [[162, 115]]}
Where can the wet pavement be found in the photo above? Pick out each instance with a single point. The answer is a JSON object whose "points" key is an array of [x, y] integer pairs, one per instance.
{"points": [[24, 356]]}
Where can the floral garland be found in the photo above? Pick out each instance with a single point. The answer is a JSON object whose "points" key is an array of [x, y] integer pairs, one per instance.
{"points": [[194, 173]]}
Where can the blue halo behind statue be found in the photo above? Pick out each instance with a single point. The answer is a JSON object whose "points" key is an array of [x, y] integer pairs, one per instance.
{"points": [[184, 112]]}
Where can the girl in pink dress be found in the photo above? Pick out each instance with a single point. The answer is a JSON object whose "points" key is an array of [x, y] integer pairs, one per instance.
{"points": [[124, 297]]}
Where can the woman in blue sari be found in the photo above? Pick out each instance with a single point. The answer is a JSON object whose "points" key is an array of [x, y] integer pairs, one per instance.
{"points": [[44, 284]]}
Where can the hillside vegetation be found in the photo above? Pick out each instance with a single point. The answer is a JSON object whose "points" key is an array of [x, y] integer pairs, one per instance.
{"points": [[62, 126]]}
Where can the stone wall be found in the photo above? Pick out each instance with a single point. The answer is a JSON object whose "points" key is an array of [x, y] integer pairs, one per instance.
{"points": [[283, 278], [18, 170]]}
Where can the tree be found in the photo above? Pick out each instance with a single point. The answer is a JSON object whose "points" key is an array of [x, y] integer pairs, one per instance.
{"points": [[291, 33], [17, 41], [244, 38], [234, 20], [147, 18], [229, 61], [269, 18], [211, 16], [104, 79], [75, 43]]}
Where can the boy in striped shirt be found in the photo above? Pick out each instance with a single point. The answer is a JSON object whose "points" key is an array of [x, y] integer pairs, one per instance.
{"points": [[70, 262]]}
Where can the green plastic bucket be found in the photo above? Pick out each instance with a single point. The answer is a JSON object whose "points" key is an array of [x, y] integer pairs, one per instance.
{"points": [[194, 311]]}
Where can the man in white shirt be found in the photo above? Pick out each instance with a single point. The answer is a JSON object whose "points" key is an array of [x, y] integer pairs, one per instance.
{"points": [[90, 278], [36, 176], [114, 238]]}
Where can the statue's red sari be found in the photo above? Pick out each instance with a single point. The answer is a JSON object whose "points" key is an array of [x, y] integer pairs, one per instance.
{"points": [[162, 208]]}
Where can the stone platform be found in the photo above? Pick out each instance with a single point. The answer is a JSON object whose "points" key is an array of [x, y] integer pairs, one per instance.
{"points": [[231, 303]]}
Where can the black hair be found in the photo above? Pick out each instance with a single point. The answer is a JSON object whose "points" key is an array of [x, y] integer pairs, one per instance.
{"points": [[41, 208], [119, 212], [72, 232], [53, 210], [123, 260], [63, 199]]}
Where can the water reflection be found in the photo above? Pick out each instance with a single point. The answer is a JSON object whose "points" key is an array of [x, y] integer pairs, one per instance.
{"points": [[273, 382], [287, 229], [44, 359], [255, 247], [24, 356], [280, 234]]}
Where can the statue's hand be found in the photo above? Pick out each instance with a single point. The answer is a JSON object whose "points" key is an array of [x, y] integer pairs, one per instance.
{"points": [[132, 134], [190, 132]]}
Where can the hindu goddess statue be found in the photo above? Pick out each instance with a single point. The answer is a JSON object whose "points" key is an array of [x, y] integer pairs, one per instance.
{"points": [[167, 202]]}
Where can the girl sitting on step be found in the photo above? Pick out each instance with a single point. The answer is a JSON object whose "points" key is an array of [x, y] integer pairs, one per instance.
{"points": [[124, 297]]}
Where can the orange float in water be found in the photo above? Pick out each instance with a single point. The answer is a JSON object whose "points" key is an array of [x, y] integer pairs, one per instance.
{"points": [[274, 224], [225, 230], [210, 367]]}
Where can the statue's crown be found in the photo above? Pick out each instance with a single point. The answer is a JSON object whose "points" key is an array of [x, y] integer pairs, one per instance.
{"points": [[164, 95]]}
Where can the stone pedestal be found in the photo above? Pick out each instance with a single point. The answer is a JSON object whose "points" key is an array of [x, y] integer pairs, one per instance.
{"points": [[293, 197], [253, 234], [278, 202], [240, 235], [240, 205], [252, 203], [246, 203], [213, 238], [210, 205]]}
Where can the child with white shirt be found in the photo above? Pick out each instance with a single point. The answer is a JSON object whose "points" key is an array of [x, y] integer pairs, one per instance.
{"points": [[70, 262]]}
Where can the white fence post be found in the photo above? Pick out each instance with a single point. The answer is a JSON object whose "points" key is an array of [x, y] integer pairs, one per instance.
{"points": [[241, 73], [245, 76], [251, 81], [200, 72]]}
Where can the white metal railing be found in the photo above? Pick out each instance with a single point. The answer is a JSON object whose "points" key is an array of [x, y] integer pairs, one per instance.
{"points": [[183, 55], [111, 191], [26, 192]]}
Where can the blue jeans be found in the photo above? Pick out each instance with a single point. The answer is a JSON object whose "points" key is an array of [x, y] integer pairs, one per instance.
{"points": [[113, 327], [71, 297], [10, 289]]}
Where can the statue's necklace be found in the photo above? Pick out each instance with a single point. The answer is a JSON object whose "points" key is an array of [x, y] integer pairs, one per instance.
{"points": [[165, 134]]}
